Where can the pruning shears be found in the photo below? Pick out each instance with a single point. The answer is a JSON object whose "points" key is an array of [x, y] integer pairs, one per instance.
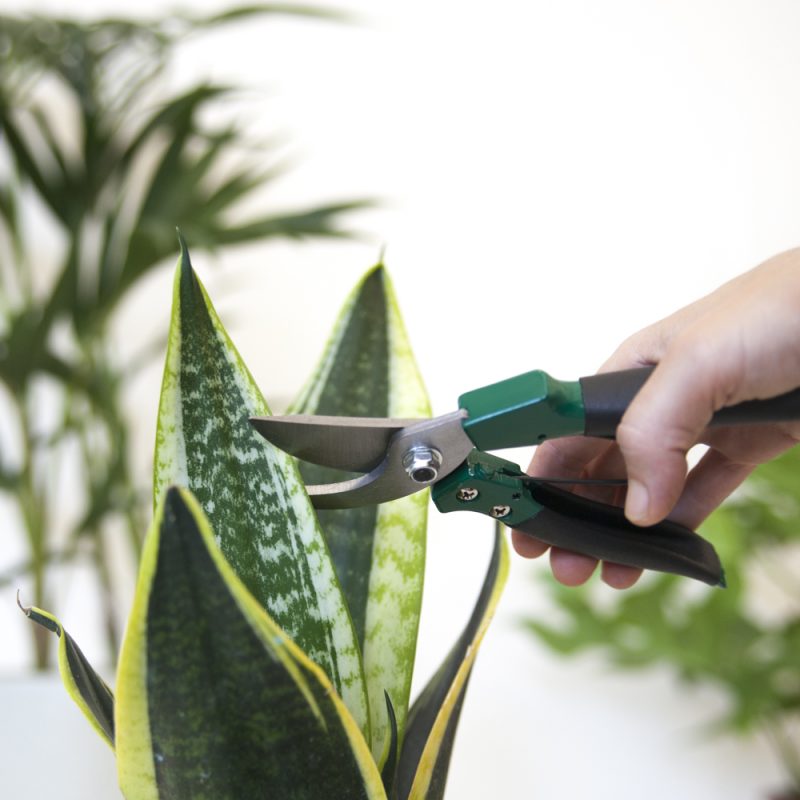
{"points": [[397, 457]]}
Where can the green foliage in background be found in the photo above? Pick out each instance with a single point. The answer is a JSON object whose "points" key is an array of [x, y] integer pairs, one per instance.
{"points": [[744, 640], [100, 160], [244, 672]]}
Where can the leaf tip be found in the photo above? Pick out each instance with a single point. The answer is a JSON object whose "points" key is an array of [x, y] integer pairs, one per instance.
{"points": [[25, 610], [185, 260], [390, 765], [174, 504], [185, 278], [374, 279], [40, 617]]}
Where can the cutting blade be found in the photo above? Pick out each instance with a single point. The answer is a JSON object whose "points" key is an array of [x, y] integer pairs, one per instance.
{"points": [[378, 448]]}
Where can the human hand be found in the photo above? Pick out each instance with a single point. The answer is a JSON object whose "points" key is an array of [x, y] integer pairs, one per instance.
{"points": [[741, 342]]}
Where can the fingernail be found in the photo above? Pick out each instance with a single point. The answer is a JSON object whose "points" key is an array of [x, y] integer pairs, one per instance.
{"points": [[637, 502]]}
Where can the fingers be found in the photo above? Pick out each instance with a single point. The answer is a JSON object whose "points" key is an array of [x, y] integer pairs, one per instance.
{"points": [[571, 569], [619, 576], [664, 421], [574, 569], [566, 458], [578, 457], [527, 546], [733, 454], [713, 478], [562, 458]]}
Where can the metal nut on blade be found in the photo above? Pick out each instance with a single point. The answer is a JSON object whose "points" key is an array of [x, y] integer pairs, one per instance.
{"points": [[422, 464], [498, 512], [466, 494]]}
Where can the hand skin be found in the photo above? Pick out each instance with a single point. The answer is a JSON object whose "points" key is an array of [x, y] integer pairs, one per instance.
{"points": [[741, 342]]}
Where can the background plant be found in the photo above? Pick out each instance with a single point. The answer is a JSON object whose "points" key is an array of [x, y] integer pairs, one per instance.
{"points": [[249, 668], [100, 160], [744, 640]]}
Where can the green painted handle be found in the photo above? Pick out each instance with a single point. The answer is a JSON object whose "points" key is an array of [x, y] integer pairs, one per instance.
{"points": [[529, 408], [523, 410]]}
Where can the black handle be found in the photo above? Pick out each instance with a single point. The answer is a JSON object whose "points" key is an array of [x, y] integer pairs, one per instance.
{"points": [[606, 397], [603, 532]]}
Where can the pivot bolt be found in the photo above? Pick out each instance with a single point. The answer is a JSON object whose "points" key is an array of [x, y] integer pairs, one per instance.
{"points": [[498, 512], [422, 464], [466, 494]]}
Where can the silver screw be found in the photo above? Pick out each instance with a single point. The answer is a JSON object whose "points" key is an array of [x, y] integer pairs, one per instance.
{"points": [[467, 493], [422, 463], [498, 512]]}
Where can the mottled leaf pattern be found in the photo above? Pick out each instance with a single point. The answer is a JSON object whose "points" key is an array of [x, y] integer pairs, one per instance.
{"points": [[214, 701], [368, 370], [251, 492], [425, 756], [220, 699], [89, 691]]}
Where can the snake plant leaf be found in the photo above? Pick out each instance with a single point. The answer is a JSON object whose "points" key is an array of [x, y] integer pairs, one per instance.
{"points": [[425, 756], [252, 493], [368, 370], [89, 691], [390, 766], [214, 700]]}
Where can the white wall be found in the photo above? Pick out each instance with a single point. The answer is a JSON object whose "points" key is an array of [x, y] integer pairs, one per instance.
{"points": [[558, 174]]}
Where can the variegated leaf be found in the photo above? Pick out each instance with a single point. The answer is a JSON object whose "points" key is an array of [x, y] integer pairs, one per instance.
{"points": [[368, 370], [252, 493], [89, 691], [425, 756], [214, 701]]}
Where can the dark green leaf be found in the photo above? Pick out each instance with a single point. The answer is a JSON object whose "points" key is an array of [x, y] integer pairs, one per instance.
{"points": [[85, 686], [214, 700], [252, 492], [390, 767], [379, 552], [433, 719]]}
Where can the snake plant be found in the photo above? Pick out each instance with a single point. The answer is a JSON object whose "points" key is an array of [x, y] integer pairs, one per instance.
{"points": [[269, 650]]}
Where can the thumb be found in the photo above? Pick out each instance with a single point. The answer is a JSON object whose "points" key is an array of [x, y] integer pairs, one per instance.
{"points": [[665, 419]]}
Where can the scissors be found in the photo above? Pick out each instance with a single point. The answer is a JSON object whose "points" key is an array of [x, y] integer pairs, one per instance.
{"points": [[397, 457]]}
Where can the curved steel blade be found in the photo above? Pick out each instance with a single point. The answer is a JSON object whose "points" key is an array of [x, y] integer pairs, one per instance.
{"points": [[356, 444], [389, 479]]}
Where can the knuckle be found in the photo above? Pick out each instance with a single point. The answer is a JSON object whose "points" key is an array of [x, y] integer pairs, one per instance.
{"points": [[641, 442], [636, 437], [716, 364]]}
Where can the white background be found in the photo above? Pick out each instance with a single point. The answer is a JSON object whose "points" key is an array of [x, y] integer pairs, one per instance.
{"points": [[556, 175]]}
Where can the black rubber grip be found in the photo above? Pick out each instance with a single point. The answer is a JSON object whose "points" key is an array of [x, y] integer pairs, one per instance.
{"points": [[607, 395], [603, 532]]}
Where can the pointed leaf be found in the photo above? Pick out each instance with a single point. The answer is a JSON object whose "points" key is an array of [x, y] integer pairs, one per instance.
{"points": [[252, 492], [390, 767], [89, 691], [368, 370], [213, 699], [425, 757]]}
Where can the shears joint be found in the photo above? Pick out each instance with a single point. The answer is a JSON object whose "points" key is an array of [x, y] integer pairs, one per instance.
{"points": [[489, 485]]}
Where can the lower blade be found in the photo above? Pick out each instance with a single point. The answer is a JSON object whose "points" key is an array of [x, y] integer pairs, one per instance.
{"points": [[392, 478]]}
